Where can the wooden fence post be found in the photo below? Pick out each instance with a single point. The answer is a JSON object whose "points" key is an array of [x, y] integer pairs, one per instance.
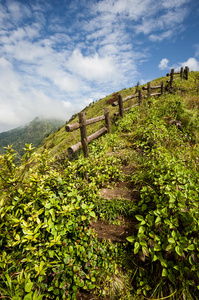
{"points": [[140, 97], [171, 77], [121, 108], [181, 73], [162, 88], [186, 71], [107, 119], [83, 131], [148, 89]]}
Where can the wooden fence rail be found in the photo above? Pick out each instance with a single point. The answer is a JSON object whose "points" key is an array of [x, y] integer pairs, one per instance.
{"points": [[183, 74], [83, 123], [122, 100], [155, 87], [85, 140]]}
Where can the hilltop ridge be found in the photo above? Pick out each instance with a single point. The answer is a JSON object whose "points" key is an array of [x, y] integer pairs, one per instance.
{"points": [[58, 142]]}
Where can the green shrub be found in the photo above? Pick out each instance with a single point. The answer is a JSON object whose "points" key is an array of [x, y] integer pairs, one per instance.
{"points": [[47, 246]]}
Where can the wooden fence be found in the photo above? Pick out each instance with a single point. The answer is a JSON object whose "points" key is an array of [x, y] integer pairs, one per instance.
{"points": [[83, 123], [85, 140], [183, 75], [122, 100], [140, 97]]}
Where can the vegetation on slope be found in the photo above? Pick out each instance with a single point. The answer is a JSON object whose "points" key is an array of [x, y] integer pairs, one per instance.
{"points": [[33, 133], [48, 249]]}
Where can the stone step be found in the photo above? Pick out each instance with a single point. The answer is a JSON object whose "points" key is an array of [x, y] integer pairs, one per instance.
{"points": [[115, 233], [118, 193]]}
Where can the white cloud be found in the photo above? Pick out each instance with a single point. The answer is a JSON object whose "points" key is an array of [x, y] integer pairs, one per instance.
{"points": [[192, 63], [19, 106], [17, 10], [91, 67], [160, 37], [135, 9], [174, 3], [164, 20], [164, 64], [59, 63]]}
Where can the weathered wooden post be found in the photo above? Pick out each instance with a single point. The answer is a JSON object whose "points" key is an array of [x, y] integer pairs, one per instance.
{"points": [[162, 88], [171, 77], [107, 119], [83, 131], [149, 89], [181, 73], [140, 97], [186, 72], [121, 108]]}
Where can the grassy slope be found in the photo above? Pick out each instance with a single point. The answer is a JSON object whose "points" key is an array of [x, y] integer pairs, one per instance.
{"points": [[33, 133], [92, 171], [59, 141]]}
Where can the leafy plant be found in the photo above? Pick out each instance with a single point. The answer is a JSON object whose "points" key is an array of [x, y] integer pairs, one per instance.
{"points": [[47, 245]]}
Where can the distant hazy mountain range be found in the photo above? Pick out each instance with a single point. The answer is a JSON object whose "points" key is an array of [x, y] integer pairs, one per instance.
{"points": [[33, 133]]}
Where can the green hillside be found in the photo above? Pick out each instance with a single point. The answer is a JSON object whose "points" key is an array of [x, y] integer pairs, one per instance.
{"points": [[67, 233], [33, 133], [58, 142]]}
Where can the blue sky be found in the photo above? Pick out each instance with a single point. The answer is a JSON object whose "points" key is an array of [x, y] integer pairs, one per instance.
{"points": [[57, 56]]}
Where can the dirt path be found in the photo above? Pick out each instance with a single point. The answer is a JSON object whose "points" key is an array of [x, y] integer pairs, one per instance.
{"points": [[112, 232]]}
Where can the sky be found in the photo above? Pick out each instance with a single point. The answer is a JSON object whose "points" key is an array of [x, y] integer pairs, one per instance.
{"points": [[57, 56]]}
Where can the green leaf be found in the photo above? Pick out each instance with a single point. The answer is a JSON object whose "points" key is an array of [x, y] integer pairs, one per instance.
{"points": [[174, 234], [145, 251], [191, 247], [130, 239], [84, 206], [35, 297], [171, 240], [56, 292], [157, 220], [28, 296], [141, 229], [48, 205], [164, 272], [67, 259], [179, 250], [92, 214], [136, 247], [28, 287], [154, 258], [157, 247], [81, 284], [9, 282], [144, 207], [91, 286], [139, 218]]}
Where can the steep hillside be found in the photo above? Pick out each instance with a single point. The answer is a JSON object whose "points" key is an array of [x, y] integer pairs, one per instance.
{"points": [[121, 224], [33, 133], [58, 142]]}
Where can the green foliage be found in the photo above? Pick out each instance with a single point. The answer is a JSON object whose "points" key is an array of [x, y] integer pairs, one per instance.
{"points": [[110, 210], [165, 248], [47, 246]]}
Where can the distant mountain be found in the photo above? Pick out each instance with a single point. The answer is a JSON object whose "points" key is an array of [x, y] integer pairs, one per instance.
{"points": [[33, 133]]}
